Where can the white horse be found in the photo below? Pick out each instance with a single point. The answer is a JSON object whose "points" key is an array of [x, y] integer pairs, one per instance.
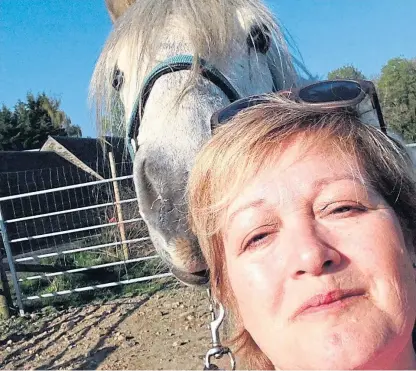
{"points": [[173, 63]]}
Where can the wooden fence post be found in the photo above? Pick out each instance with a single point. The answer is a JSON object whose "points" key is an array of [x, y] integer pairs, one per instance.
{"points": [[118, 206], [3, 232], [5, 297]]}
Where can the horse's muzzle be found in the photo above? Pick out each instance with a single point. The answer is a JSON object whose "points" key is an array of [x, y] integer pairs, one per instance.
{"points": [[200, 279]]}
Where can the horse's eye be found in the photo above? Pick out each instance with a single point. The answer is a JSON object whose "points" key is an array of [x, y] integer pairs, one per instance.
{"points": [[118, 79], [259, 38]]}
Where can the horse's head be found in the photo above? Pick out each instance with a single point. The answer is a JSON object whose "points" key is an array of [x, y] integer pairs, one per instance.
{"points": [[173, 64]]}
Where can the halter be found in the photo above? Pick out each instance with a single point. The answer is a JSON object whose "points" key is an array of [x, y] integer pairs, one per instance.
{"points": [[170, 65]]}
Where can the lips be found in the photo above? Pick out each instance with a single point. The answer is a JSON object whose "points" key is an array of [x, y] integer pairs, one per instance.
{"points": [[328, 300]]}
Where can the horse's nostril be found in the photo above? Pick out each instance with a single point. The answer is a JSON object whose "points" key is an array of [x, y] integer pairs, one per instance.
{"points": [[157, 193], [147, 189]]}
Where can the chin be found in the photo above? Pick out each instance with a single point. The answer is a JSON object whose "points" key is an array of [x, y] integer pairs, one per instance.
{"points": [[325, 359], [344, 349]]}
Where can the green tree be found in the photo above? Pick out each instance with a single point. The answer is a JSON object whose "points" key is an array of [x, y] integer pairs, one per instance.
{"points": [[114, 124], [347, 72], [30, 123], [397, 90]]}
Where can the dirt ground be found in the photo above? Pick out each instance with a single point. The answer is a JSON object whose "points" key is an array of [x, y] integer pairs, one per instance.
{"points": [[167, 330]]}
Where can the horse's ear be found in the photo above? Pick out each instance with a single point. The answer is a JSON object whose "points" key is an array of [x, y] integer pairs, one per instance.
{"points": [[116, 8]]}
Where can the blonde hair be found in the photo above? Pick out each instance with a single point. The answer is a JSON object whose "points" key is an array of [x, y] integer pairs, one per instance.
{"points": [[246, 144]]}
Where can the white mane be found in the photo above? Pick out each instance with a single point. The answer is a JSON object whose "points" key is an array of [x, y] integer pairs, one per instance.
{"points": [[211, 27]]}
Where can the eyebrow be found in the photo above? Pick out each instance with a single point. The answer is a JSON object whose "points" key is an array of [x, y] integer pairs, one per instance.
{"points": [[318, 185], [251, 205]]}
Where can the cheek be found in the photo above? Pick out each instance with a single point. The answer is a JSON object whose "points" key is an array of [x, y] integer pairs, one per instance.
{"points": [[380, 255], [257, 287], [375, 244]]}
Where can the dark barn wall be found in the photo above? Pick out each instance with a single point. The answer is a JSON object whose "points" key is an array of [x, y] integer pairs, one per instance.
{"points": [[30, 177], [23, 172]]}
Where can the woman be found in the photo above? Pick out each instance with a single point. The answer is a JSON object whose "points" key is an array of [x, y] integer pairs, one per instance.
{"points": [[307, 219]]}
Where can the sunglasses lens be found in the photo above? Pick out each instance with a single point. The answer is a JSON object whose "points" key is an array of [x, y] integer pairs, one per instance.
{"points": [[330, 91]]}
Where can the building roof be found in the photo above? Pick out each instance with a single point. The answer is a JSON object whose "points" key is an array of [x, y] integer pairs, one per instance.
{"points": [[93, 153]]}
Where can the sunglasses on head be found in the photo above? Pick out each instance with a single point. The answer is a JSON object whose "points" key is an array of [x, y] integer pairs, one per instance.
{"points": [[331, 94]]}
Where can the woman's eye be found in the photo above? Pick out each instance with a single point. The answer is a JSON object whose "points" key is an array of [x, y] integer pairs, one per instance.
{"points": [[257, 240], [343, 209], [347, 209]]}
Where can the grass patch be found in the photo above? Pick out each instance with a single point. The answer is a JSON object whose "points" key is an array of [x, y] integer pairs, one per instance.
{"points": [[61, 282]]}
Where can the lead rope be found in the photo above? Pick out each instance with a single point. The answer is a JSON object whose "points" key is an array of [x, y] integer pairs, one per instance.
{"points": [[217, 351]]}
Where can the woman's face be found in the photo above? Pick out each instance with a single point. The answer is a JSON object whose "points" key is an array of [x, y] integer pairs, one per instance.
{"points": [[318, 265]]}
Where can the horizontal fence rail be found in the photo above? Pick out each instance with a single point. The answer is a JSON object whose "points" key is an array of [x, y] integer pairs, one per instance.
{"points": [[74, 230], [100, 286], [89, 248], [66, 188], [85, 269], [62, 212]]}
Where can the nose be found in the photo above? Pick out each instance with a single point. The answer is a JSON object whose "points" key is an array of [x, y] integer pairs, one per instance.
{"points": [[311, 252]]}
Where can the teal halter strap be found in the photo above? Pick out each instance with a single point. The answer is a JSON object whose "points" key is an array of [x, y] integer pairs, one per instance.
{"points": [[173, 64]]}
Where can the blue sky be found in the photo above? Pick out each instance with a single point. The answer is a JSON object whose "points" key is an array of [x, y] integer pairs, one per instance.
{"points": [[52, 45]]}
